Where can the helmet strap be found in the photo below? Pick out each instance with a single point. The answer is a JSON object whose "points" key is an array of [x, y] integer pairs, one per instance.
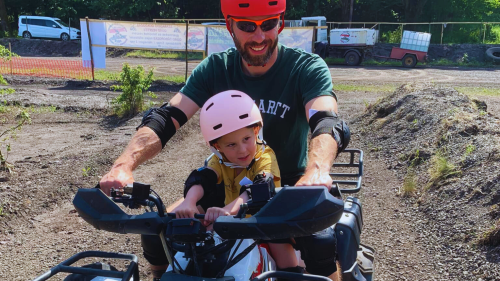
{"points": [[236, 166]]}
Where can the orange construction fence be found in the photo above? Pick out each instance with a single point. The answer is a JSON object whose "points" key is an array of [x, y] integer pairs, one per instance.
{"points": [[45, 68]]}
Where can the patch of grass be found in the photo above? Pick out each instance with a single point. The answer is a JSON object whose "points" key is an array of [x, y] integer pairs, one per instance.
{"points": [[491, 237], [7, 91], [335, 61], [107, 75], [479, 91], [441, 169], [409, 184], [386, 88], [373, 62], [464, 62], [469, 149], [171, 78], [86, 171], [2, 212], [164, 55]]}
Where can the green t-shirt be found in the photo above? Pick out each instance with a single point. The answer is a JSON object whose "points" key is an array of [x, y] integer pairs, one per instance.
{"points": [[281, 95]]}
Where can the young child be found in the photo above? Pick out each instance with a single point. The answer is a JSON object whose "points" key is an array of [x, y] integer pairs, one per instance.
{"points": [[230, 123]]}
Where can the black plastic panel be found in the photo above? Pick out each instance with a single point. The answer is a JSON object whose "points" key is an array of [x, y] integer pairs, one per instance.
{"points": [[293, 212], [102, 213], [348, 232]]}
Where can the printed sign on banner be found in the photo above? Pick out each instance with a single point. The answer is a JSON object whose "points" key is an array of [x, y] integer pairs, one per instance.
{"points": [[220, 40], [154, 36]]}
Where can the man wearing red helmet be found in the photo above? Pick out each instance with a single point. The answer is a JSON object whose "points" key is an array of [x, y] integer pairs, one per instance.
{"points": [[293, 90]]}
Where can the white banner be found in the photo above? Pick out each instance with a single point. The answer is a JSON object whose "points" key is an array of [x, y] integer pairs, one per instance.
{"points": [[98, 36], [297, 38], [155, 36], [220, 40]]}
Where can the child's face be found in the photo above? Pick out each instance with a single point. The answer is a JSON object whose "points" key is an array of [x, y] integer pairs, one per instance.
{"points": [[240, 146]]}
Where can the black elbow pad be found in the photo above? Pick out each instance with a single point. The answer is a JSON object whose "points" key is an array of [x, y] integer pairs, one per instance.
{"points": [[159, 119], [327, 122], [205, 177]]}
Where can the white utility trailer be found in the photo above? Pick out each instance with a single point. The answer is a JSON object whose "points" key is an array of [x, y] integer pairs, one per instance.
{"points": [[352, 43]]}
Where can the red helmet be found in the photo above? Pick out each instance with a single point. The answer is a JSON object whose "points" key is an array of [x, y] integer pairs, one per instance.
{"points": [[252, 8]]}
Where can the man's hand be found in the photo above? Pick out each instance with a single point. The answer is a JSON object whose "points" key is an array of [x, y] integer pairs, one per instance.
{"points": [[117, 178], [315, 177], [213, 213], [186, 210]]}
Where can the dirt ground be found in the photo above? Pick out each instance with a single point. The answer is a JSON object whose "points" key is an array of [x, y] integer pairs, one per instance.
{"points": [[39, 227]]}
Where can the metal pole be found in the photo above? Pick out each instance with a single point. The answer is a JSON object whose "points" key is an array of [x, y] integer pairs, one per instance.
{"points": [[10, 58], [90, 47], [484, 34], [350, 16], [402, 31], [314, 39], [442, 31], [187, 31]]}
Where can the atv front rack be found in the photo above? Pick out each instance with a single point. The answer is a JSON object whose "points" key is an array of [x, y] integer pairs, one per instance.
{"points": [[357, 181], [65, 266]]}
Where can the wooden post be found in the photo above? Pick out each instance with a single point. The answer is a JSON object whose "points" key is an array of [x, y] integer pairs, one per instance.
{"points": [[442, 32], [90, 47], [10, 58], [402, 27], [187, 31]]}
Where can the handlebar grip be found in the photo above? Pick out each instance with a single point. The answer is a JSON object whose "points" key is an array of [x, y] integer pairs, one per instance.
{"points": [[196, 216]]}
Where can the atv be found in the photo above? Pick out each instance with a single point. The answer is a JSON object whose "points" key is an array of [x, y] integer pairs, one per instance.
{"points": [[236, 249]]}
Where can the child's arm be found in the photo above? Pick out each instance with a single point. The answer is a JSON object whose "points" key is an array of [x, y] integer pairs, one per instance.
{"points": [[230, 209], [187, 208]]}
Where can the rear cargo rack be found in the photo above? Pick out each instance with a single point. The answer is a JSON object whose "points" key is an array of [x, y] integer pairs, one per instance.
{"points": [[352, 164]]}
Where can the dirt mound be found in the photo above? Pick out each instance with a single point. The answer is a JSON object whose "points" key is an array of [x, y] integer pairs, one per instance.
{"points": [[43, 48], [446, 147]]}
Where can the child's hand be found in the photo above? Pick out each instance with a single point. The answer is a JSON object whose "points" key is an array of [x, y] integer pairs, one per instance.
{"points": [[185, 210], [213, 213]]}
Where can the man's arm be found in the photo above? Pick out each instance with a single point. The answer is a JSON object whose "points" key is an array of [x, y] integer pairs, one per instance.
{"points": [[144, 145], [323, 148]]}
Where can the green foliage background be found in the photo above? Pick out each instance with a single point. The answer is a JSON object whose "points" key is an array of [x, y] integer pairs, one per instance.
{"points": [[334, 10]]}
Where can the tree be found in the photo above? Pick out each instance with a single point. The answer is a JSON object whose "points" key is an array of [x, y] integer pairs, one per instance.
{"points": [[5, 18]]}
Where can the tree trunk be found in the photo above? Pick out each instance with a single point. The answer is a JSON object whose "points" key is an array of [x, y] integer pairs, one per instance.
{"points": [[5, 18], [346, 9]]}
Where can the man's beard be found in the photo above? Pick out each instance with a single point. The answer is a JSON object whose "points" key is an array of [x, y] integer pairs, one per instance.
{"points": [[256, 60]]}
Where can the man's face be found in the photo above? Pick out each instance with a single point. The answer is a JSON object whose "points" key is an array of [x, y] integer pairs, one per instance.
{"points": [[256, 47]]}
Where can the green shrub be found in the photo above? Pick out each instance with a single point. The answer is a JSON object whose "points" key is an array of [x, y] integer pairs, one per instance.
{"points": [[392, 36], [23, 117], [134, 82]]}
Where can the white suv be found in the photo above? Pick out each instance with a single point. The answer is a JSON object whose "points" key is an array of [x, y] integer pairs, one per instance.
{"points": [[45, 27]]}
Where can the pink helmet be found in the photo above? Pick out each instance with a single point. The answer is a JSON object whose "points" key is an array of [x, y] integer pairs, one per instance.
{"points": [[227, 112]]}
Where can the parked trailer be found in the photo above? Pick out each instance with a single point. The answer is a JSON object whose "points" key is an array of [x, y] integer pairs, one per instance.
{"points": [[352, 44], [414, 47]]}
